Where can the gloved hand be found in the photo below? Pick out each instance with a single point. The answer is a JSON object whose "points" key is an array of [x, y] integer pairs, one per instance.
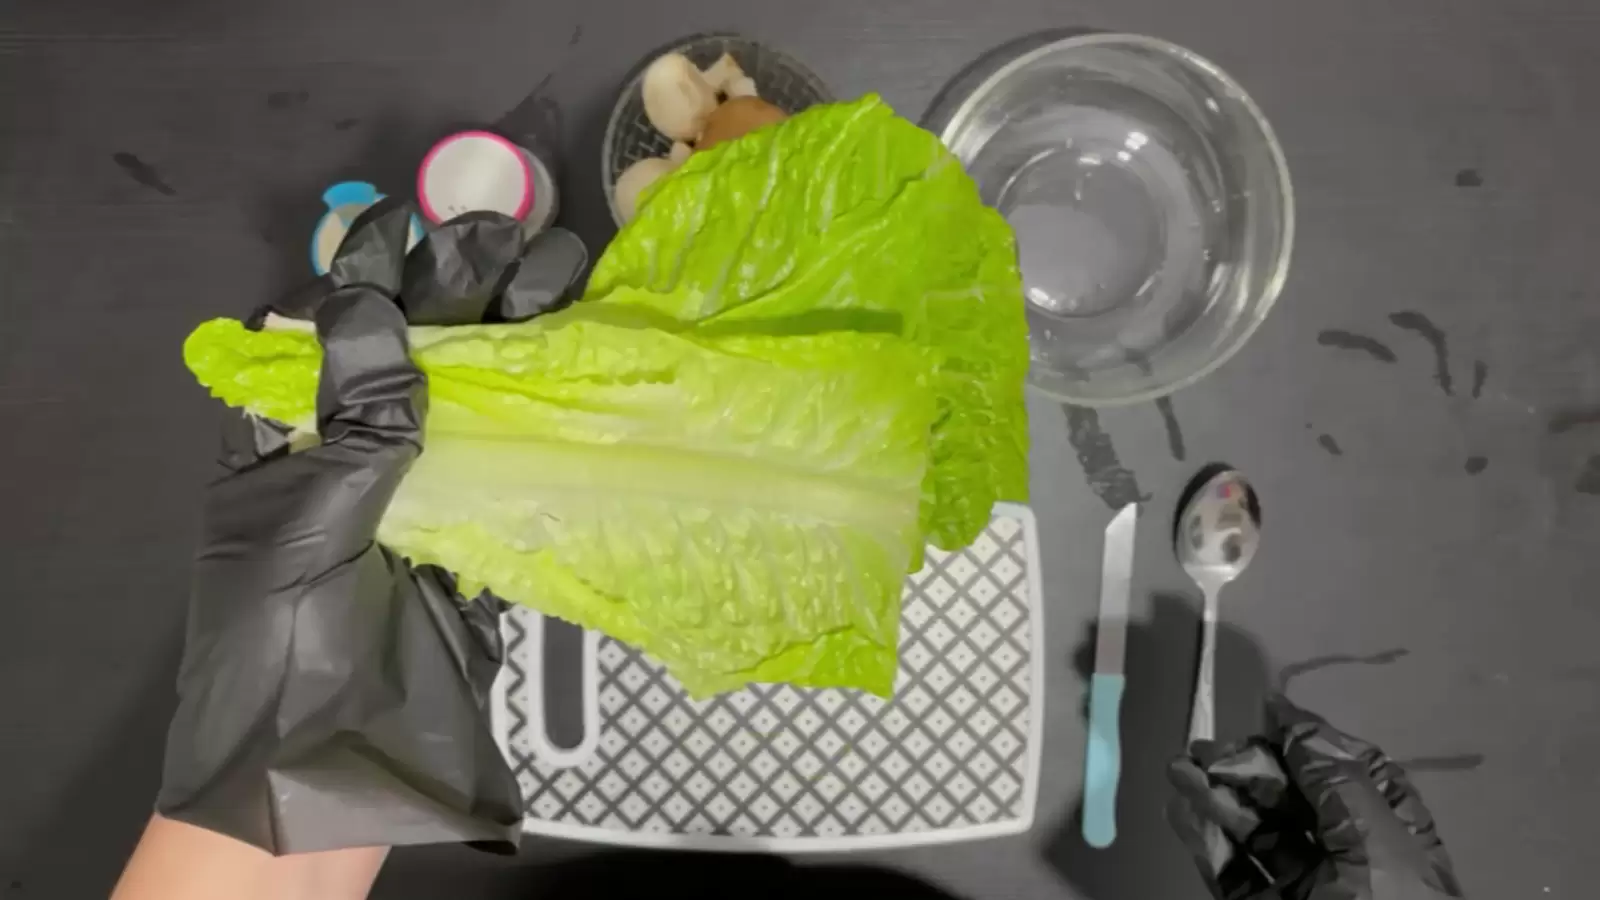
{"points": [[331, 695], [1309, 813]]}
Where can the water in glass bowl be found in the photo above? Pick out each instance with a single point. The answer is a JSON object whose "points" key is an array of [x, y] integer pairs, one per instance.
{"points": [[1150, 206]]}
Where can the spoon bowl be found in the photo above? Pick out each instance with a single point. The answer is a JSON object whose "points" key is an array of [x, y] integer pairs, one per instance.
{"points": [[1219, 529]]}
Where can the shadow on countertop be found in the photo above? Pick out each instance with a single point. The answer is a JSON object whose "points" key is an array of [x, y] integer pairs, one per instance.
{"points": [[1147, 861], [659, 876]]}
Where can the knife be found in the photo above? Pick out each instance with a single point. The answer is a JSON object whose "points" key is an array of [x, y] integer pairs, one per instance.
{"points": [[1103, 759]]}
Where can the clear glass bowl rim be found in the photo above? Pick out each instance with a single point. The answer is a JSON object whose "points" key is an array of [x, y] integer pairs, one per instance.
{"points": [[1278, 272]]}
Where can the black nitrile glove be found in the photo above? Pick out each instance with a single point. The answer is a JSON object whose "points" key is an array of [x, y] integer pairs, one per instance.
{"points": [[473, 268], [1309, 813], [331, 695]]}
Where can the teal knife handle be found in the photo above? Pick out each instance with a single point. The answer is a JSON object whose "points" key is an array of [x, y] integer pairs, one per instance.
{"points": [[1103, 764]]}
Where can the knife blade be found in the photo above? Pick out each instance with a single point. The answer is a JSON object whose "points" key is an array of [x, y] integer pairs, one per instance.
{"points": [[1103, 756]]}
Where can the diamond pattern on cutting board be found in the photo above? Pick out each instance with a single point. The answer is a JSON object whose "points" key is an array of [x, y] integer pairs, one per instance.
{"points": [[948, 750]]}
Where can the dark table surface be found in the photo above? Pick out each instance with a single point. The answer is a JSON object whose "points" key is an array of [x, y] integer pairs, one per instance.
{"points": [[1431, 509]]}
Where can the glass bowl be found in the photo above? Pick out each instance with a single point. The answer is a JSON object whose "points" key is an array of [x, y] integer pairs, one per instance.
{"points": [[780, 80], [1152, 207]]}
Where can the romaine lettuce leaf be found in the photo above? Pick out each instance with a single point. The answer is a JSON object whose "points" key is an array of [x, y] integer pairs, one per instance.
{"points": [[802, 360], [741, 507], [849, 218]]}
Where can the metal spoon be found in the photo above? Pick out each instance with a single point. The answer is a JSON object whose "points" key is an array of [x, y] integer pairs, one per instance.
{"points": [[1217, 537]]}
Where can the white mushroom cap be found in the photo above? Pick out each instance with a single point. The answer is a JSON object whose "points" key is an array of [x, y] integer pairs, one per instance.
{"points": [[677, 98]]}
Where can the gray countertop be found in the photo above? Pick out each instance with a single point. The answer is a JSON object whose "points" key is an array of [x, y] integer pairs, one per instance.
{"points": [[1431, 509]]}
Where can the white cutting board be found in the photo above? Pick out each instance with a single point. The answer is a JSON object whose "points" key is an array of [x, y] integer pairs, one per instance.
{"points": [[953, 756]]}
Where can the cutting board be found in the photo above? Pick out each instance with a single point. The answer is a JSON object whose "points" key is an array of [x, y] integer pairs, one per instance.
{"points": [[953, 755]]}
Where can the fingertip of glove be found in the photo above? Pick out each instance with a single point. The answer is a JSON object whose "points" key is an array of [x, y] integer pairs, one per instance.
{"points": [[374, 249], [1186, 776], [1283, 715]]}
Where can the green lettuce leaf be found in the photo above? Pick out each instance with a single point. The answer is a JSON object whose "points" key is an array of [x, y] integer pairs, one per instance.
{"points": [[849, 218], [802, 360], [741, 507]]}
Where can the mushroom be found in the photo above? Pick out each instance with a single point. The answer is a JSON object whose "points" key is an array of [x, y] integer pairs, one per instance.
{"points": [[737, 118], [634, 179], [743, 86], [677, 98], [722, 73]]}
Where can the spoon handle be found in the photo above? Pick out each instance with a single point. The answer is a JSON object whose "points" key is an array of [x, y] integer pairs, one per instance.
{"points": [[1203, 715]]}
